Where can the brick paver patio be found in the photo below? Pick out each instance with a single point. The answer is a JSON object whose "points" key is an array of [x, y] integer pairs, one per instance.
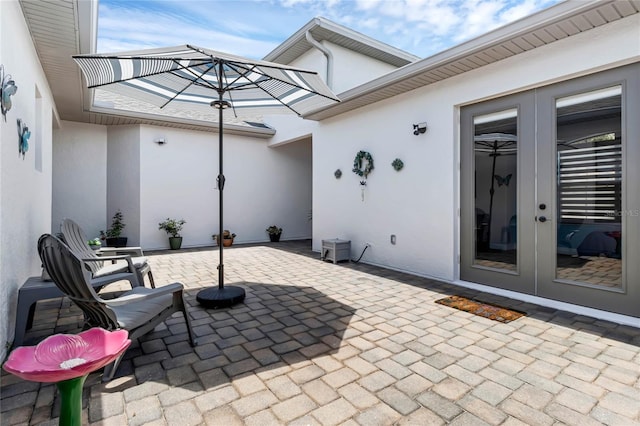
{"points": [[322, 344]]}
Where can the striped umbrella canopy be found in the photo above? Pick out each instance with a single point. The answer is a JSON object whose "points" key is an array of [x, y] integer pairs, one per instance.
{"points": [[193, 78]]}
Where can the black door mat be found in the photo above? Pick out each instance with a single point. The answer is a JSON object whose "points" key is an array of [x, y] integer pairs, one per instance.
{"points": [[487, 310]]}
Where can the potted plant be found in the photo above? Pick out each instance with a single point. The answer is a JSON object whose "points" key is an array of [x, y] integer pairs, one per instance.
{"points": [[94, 243], [113, 236], [173, 228], [227, 238], [274, 233]]}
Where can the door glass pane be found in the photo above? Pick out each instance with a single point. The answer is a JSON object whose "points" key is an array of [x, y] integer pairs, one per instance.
{"points": [[496, 155], [589, 188]]}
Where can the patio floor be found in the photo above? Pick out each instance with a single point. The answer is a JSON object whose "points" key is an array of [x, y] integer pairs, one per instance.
{"points": [[351, 344]]}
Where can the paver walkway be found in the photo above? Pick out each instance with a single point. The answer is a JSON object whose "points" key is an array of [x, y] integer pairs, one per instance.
{"points": [[322, 344]]}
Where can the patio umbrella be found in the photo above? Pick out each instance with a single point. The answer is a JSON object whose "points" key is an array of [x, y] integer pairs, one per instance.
{"points": [[193, 78], [495, 144]]}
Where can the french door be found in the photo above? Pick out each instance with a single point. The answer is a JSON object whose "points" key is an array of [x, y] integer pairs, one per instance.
{"points": [[549, 200]]}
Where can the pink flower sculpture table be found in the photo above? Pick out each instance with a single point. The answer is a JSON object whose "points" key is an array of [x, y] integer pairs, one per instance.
{"points": [[67, 360]]}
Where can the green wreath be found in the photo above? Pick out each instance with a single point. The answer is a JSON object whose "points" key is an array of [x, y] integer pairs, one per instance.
{"points": [[357, 164]]}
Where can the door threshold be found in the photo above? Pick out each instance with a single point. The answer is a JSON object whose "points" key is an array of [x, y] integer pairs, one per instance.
{"points": [[554, 304]]}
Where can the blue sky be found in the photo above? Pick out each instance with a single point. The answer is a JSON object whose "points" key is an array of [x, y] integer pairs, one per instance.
{"points": [[254, 28]]}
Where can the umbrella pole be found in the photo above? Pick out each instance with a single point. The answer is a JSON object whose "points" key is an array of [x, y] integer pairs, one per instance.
{"points": [[220, 182], [221, 296], [492, 191]]}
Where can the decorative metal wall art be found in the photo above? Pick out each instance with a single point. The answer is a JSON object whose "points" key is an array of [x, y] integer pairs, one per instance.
{"points": [[397, 164], [23, 138], [502, 180], [338, 173], [8, 88]]}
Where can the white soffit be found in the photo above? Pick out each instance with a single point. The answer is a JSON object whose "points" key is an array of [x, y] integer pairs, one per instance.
{"points": [[545, 27], [53, 28]]}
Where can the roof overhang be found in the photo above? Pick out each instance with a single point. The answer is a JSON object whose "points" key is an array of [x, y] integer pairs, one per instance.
{"points": [[547, 26], [67, 27], [115, 117], [324, 30], [64, 28]]}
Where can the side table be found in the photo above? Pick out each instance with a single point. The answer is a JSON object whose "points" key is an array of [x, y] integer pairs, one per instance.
{"points": [[33, 290]]}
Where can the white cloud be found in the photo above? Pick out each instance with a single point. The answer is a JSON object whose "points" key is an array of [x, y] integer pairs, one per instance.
{"points": [[520, 11], [132, 29], [293, 3], [370, 23], [368, 4], [254, 28], [479, 18]]}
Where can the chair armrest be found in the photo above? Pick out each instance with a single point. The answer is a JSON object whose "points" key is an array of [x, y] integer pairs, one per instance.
{"points": [[133, 251], [126, 257], [103, 258], [135, 297]]}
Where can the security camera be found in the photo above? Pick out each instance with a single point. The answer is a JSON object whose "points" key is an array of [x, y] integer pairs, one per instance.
{"points": [[419, 128]]}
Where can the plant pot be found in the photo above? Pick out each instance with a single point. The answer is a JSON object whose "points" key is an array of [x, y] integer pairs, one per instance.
{"points": [[274, 237], [93, 247], [116, 242], [175, 243], [227, 242]]}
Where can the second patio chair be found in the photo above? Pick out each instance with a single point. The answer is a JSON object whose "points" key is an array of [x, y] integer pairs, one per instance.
{"points": [[76, 239], [138, 311]]}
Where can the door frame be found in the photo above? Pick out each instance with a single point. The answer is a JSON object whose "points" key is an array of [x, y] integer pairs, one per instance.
{"points": [[624, 299], [525, 261], [530, 273]]}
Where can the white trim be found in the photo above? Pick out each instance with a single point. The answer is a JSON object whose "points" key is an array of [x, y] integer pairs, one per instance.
{"points": [[593, 95], [342, 36], [554, 304], [497, 116]]}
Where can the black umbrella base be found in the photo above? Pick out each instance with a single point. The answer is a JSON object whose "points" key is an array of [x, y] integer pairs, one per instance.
{"points": [[215, 297]]}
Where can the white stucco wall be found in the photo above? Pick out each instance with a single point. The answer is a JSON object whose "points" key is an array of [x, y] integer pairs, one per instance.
{"points": [[123, 179], [25, 184], [312, 60], [264, 186], [419, 204], [289, 128], [125, 169], [80, 176], [350, 68]]}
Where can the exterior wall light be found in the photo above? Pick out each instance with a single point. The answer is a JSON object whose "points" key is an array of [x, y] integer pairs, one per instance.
{"points": [[161, 141], [419, 128]]}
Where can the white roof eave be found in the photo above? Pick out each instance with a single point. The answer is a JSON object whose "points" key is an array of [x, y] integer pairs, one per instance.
{"points": [[136, 117], [399, 81], [297, 43]]}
